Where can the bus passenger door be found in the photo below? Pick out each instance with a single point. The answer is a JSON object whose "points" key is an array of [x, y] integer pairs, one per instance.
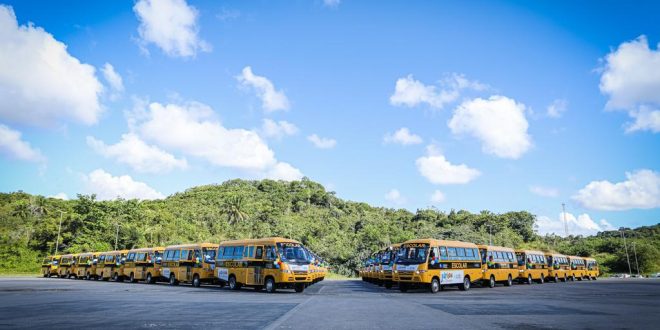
{"points": [[255, 266]]}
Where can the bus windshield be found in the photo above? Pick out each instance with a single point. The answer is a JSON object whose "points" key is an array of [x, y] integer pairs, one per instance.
{"points": [[413, 254], [209, 254], [292, 252], [386, 257]]}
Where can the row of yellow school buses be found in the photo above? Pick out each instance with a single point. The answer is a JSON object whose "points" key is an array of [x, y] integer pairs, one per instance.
{"points": [[434, 264], [269, 263]]}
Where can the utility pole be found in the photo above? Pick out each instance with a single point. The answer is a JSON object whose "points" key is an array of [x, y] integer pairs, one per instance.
{"points": [[623, 235], [59, 230], [117, 236], [563, 208], [636, 263], [490, 234]]}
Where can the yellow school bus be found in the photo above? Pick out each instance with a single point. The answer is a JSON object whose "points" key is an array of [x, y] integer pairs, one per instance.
{"points": [[370, 272], [273, 263], [593, 271], [558, 267], [64, 269], [498, 265], [578, 268], [144, 264], [85, 266], [49, 265], [189, 263], [386, 262], [532, 266], [434, 264], [111, 265]]}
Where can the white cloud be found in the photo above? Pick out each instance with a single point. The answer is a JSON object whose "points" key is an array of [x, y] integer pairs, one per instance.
{"points": [[271, 99], [395, 197], [108, 187], [322, 143], [114, 80], [61, 196], [40, 82], [435, 168], [403, 136], [582, 225], [12, 145], [283, 171], [192, 129], [410, 92], [277, 129], [499, 122], [171, 25], [631, 80], [331, 3], [544, 191], [557, 108], [437, 197], [641, 190], [131, 150]]}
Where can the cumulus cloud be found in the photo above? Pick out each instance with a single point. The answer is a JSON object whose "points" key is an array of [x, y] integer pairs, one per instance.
{"points": [[14, 146], [114, 80], [277, 129], [192, 129], [322, 143], [437, 197], [438, 170], [582, 225], [171, 25], [109, 187], [631, 80], [40, 82], [394, 196], [498, 122], [271, 99], [557, 108], [283, 171], [61, 196], [641, 190], [410, 92], [131, 150], [403, 136], [544, 191]]}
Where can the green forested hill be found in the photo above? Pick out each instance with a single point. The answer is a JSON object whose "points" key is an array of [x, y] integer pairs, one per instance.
{"points": [[343, 232]]}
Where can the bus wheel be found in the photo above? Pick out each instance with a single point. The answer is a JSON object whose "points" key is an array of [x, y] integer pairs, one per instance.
{"points": [[172, 280], [196, 282], [465, 286], [435, 285], [232, 283], [595, 278], [556, 278], [572, 278], [542, 279], [491, 281], [403, 287], [529, 279], [149, 279], [388, 285], [299, 287], [132, 278], [88, 277], [565, 279], [580, 278], [270, 285], [509, 281]]}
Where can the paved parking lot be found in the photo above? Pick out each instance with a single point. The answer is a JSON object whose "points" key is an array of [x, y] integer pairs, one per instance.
{"points": [[59, 303]]}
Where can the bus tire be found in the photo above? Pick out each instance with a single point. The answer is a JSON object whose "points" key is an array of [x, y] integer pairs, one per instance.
{"points": [[270, 285], [132, 278], [196, 282], [172, 280], [509, 281], [572, 278], [465, 286], [88, 276], [556, 278], [233, 285], [388, 285], [565, 279], [580, 278], [542, 279], [299, 287], [435, 285], [491, 281], [529, 279], [595, 278], [149, 279]]}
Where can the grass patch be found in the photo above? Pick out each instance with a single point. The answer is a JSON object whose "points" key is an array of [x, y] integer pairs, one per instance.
{"points": [[335, 276]]}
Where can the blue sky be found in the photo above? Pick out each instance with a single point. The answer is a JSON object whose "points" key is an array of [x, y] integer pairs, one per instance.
{"points": [[480, 106]]}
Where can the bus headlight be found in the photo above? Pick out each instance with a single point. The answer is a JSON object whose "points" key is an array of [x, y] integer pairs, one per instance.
{"points": [[420, 271]]}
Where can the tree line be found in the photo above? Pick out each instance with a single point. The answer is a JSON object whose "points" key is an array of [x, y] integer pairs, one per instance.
{"points": [[343, 232]]}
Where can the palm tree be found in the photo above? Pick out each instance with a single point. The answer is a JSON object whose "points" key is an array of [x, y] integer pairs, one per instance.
{"points": [[22, 210], [233, 208]]}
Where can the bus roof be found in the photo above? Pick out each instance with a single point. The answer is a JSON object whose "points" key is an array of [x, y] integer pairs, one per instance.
{"points": [[193, 245], [554, 254], [158, 248], [114, 252], [86, 254], [531, 252], [494, 247], [265, 240], [441, 242], [576, 257]]}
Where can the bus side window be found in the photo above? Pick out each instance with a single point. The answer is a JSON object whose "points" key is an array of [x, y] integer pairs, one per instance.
{"points": [[250, 252], [443, 253], [259, 253], [483, 256], [238, 252], [175, 256], [270, 253]]}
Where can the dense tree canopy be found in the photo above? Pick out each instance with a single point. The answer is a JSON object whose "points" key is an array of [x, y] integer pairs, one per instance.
{"points": [[342, 232]]}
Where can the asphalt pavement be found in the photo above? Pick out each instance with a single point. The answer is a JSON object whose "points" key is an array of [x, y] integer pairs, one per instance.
{"points": [[60, 303]]}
